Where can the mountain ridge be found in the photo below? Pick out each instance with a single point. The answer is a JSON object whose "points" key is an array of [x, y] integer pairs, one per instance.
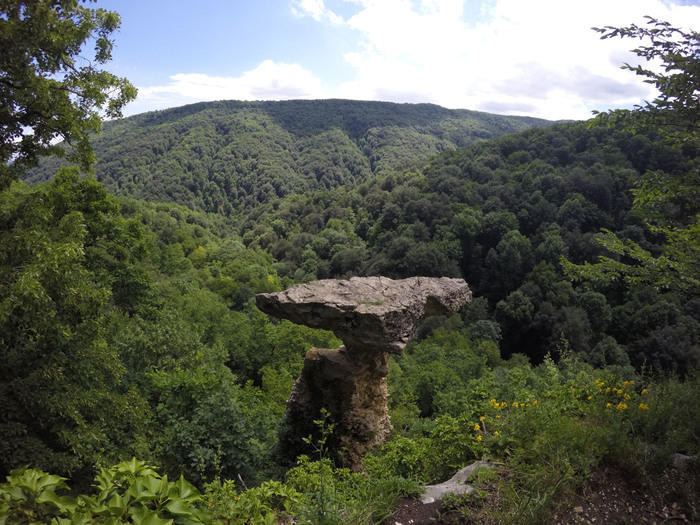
{"points": [[227, 155]]}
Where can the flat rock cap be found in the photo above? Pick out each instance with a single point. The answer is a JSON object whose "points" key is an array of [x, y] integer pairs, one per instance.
{"points": [[368, 313]]}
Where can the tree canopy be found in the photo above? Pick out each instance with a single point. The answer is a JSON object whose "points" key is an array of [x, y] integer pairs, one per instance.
{"points": [[49, 90], [229, 156], [668, 202]]}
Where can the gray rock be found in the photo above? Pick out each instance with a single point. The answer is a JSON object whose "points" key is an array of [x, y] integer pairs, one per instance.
{"points": [[457, 484], [368, 312], [373, 316]]}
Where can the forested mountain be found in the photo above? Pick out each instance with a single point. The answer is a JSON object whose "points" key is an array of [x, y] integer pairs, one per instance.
{"points": [[230, 155], [132, 331], [131, 346], [502, 214]]}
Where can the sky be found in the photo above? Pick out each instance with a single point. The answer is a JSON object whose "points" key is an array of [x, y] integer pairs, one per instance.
{"points": [[536, 58]]}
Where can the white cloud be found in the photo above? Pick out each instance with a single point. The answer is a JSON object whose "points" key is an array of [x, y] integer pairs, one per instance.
{"points": [[538, 57], [268, 81], [317, 10]]}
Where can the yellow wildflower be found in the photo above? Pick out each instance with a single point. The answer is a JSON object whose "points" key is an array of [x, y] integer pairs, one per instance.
{"points": [[498, 416], [482, 418], [477, 427], [478, 438], [535, 402], [608, 405], [621, 406], [607, 390], [643, 407], [590, 397], [515, 404], [496, 433], [627, 397], [644, 392]]}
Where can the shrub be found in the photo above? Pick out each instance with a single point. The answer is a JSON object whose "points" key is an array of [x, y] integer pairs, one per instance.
{"points": [[130, 492]]}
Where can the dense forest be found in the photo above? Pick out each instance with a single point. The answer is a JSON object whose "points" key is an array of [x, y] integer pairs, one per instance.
{"points": [[157, 350], [502, 214], [133, 353], [229, 156]]}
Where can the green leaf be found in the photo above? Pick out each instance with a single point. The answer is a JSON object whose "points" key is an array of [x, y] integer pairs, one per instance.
{"points": [[64, 504], [118, 503], [186, 490], [145, 516], [178, 508]]}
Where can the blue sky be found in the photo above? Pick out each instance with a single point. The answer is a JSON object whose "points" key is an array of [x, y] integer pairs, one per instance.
{"points": [[522, 57]]}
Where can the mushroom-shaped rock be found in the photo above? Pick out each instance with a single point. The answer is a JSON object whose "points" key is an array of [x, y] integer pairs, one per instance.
{"points": [[373, 316], [368, 313]]}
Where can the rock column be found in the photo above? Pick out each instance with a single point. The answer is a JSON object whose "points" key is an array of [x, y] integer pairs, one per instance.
{"points": [[374, 317]]}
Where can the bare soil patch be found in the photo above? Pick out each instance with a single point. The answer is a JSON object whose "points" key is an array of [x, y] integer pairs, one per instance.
{"points": [[610, 496]]}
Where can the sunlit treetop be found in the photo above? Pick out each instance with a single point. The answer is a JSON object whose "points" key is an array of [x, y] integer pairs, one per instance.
{"points": [[52, 87]]}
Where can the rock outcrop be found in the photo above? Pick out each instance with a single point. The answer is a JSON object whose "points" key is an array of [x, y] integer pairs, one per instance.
{"points": [[373, 316], [457, 484]]}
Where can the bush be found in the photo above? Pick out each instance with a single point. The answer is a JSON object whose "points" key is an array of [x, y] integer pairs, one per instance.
{"points": [[130, 492]]}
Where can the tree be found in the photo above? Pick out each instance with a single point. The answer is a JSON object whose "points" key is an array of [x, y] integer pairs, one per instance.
{"points": [[669, 203], [676, 110], [48, 89], [61, 408]]}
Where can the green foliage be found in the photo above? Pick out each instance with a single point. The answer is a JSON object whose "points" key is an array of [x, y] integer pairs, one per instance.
{"points": [[636, 266], [29, 496], [448, 445], [547, 428], [49, 90], [130, 492], [336, 495], [500, 213], [133, 331], [667, 201], [58, 385], [208, 426], [225, 156], [437, 373], [134, 491], [676, 106], [262, 505]]}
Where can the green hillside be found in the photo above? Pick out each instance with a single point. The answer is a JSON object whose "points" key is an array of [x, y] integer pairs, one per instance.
{"points": [[226, 156], [501, 214]]}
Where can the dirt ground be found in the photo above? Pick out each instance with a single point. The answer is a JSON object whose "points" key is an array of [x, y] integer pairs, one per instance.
{"points": [[610, 497]]}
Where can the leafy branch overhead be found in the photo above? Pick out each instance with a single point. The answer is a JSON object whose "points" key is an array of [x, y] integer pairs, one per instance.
{"points": [[670, 204], [676, 109], [49, 90]]}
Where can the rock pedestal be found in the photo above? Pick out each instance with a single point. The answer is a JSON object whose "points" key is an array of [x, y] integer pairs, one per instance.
{"points": [[373, 316]]}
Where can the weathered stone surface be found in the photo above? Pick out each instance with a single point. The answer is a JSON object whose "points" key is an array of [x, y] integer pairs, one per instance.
{"points": [[373, 316], [368, 312], [353, 389], [457, 484]]}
